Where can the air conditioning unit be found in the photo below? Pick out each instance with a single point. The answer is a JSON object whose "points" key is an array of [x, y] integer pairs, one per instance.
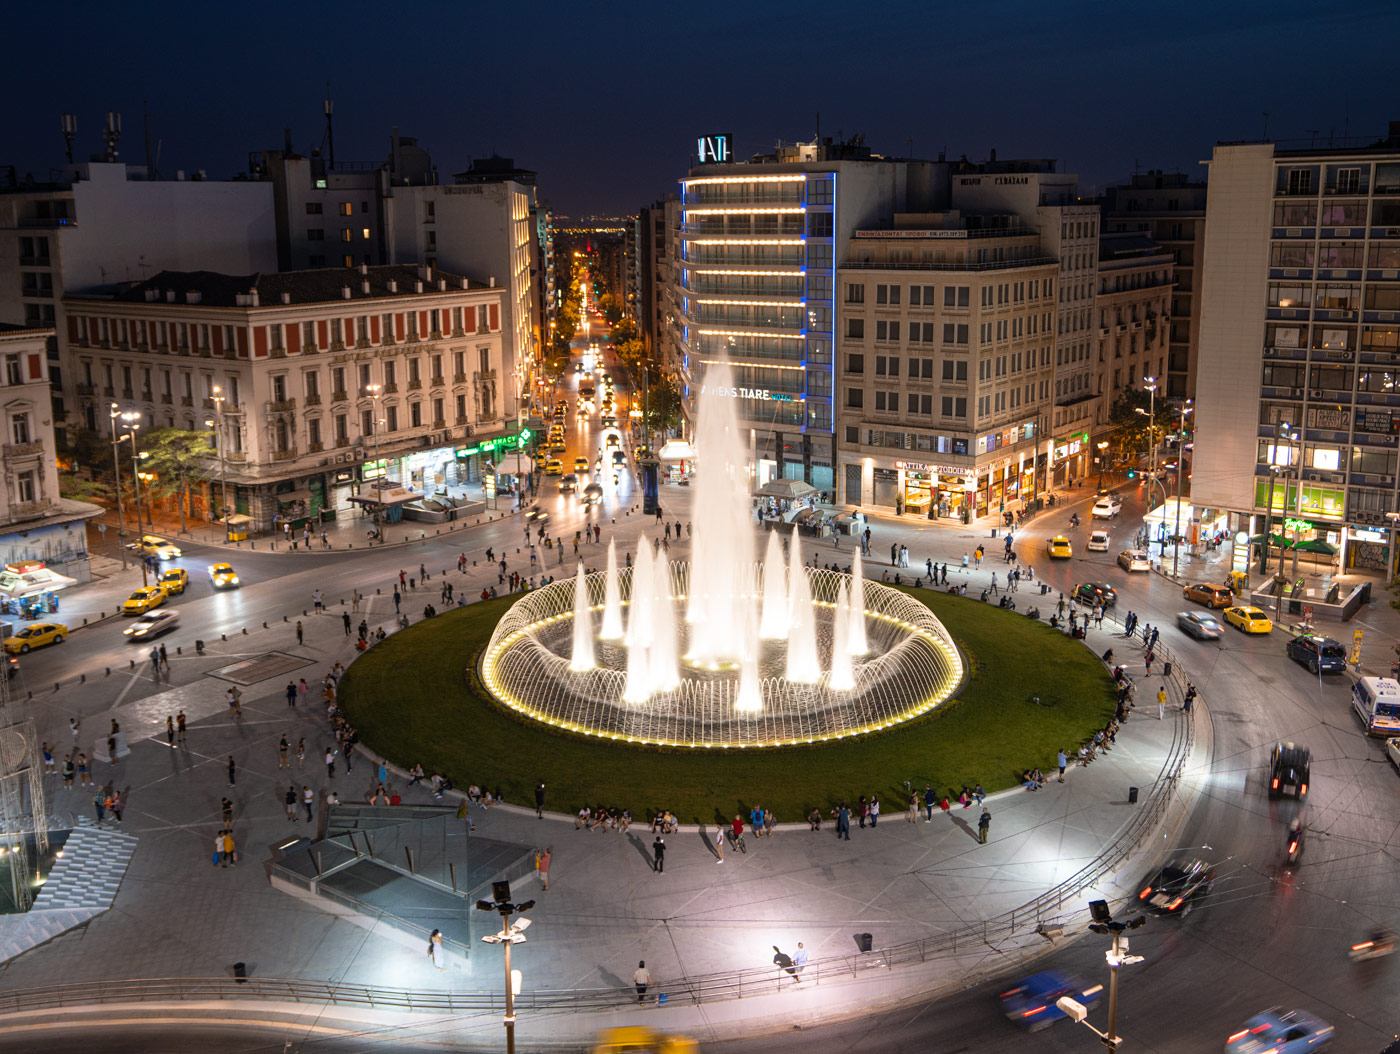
{"points": [[1316, 393], [1313, 477], [1389, 481]]}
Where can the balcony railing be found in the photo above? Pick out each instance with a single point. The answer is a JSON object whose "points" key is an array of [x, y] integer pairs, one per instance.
{"points": [[283, 406], [313, 400], [340, 396], [84, 388], [438, 382], [284, 455], [33, 449]]}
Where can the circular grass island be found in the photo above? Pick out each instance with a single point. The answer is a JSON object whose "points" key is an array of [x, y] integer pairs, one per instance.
{"points": [[416, 698]]}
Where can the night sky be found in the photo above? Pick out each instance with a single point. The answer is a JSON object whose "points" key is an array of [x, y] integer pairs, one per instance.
{"points": [[605, 99]]}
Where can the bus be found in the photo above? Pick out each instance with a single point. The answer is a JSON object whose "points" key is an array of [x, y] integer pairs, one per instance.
{"points": [[1376, 701]]}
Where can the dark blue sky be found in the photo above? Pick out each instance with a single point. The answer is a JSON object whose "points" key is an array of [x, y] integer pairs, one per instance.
{"points": [[605, 99]]}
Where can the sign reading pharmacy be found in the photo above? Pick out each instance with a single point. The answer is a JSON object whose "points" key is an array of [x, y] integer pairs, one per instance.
{"points": [[504, 442], [714, 149]]}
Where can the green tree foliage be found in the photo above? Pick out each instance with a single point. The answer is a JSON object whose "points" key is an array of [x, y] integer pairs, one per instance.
{"points": [[177, 458], [1131, 431], [662, 406], [632, 352]]}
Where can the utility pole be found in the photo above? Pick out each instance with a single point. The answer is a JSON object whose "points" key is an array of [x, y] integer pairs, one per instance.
{"points": [[1180, 467], [223, 469], [1279, 429], [500, 902], [113, 414], [132, 421], [1117, 957]]}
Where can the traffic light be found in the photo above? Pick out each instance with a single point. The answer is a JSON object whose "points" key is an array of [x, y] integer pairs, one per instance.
{"points": [[1132, 473]]}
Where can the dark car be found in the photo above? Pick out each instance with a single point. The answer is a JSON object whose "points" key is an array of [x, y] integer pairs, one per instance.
{"points": [[1318, 654], [1289, 767], [1175, 888], [1031, 1004], [1097, 593]]}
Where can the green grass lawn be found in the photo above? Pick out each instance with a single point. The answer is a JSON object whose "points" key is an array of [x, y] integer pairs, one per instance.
{"points": [[416, 699]]}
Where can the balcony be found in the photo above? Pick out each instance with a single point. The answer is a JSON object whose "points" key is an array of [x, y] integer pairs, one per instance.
{"points": [[281, 406], [148, 396], [415, 386], [22, 510], [459, 378], [187, 400], [342, 441], [284, 455], [337, 345], [439, 425], [109, 391], [236, 455], [277, 353], [340, 396], [166, 398], [390, 389], [313, 400], [438, 382], [86, 388], [128, 393], [18, 450], [314, 448]]}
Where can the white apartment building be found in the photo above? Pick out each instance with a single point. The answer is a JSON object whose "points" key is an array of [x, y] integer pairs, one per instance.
{"points": [[36, 523], [947, 332], [1300, 326], [1135, 286], [1049, 201], [320, 380]]}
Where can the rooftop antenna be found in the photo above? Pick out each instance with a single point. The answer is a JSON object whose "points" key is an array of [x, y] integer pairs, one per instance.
{"points": [[1312, 136], [69, 124], [111, 134], [330, 128]]}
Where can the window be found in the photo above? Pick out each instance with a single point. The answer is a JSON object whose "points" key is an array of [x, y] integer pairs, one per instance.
{"points": [[338, 379], [345, 209], [954, 406], [342, 435], [915, 297], [313, 384], [24, 487], [855, 363], [279, 388], [484, 359], [886, 330], [414, 376], [367, 422], [819, 225], [958, 296], [955, 333], [313, 431], [391, 373], [1348, 180], [345, 235], [887, 401], [1300, 181], [415, 415], [955, 370], [887, 294], [855, 328], [347, 260], [19, 427], [429, 211], [12, 373], [855, 294], [919, 404], [365, 379], [391, 422], [886, 366], [313, 208], [364, 233], [437, 411], [461, 408]]}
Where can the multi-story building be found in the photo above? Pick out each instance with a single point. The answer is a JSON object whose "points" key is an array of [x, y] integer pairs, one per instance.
{"points": [[1134, 320], [103, 222], [1171, 210], [36, 522], [542, 278], [756, 283], [317, 380], [654, 271], [1049, 201], [945, 375], [1300, 336]]}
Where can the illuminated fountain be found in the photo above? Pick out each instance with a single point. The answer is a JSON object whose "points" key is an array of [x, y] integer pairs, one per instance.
{"points": [[723, 651]]}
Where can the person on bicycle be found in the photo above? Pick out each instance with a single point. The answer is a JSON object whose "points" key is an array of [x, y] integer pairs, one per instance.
{"points": [[736, 829]]}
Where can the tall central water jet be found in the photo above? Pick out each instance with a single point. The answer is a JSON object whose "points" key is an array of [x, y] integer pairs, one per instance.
{"points": [[612, 598], [856, 640], [665, 673], [776, 619], [582, 658], [803, 666], [721, 563]]}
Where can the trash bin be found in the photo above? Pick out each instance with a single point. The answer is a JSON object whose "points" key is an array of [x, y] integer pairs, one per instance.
{"points": [[864, 942], [661, 999], [1132, 795], [240, 973], [199, 647], [1166, 669]]}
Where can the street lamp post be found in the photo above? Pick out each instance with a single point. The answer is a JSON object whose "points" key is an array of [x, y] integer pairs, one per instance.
{"points": [[112, 415], [223, 469], [132, 421], [1117, 957], [1180, 465], [1297, 437], [375, 391], [500, 902], [1103, 446], [1280, 428]]}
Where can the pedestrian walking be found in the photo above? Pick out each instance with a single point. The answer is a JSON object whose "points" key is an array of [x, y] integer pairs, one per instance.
{"points": [[345, 617], [542, 864], [641, 976], [929, 800], [799, 960], [99, 804], [155, 663], [299, 633], [719, 843], [303, 689], [169, 731], [316, 601], [1186, 701], [984, 823], [282, 760], [435, 949], [164, 659], [307, 798], [1061, 761], [73, 724], [118, 804], [539, 800], [843, 821], [68, 772], [291, 692], [301, 752], [232, 771], [84, 777], [658, 855], [291, 800], [913, 814], [330, 763], [180, 726], [1161, 702]]}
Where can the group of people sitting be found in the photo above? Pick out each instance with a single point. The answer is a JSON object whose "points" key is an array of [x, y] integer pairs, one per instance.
{"points": [[603, 819], [664, 821]]}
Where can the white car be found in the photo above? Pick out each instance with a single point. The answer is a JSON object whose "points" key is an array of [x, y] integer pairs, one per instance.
{"points": [[1106, 508], [1392, 751], [1134, 560], [1098, 542]]}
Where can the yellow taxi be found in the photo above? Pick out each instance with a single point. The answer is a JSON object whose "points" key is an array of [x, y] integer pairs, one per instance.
{"points": [[36, 636], [554, 467], [638, 1039], [143, 600], [1248, 619], [581, 464], [1059, 548], [150, 545], [223, 576], [173, 580]]}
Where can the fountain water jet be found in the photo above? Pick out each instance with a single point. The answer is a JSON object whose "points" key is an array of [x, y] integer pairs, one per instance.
{"points": [[750, 697], [665, 672], [582, 657], [841, 677], [612, 598], [803, 665], [640, 600], [856, 640], [776, 617]]}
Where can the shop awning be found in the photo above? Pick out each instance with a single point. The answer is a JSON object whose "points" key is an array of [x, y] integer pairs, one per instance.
{"points": [[18, 585], [513, 465], [787, 489], [676, 450], [1318, 545], [294, 495]]}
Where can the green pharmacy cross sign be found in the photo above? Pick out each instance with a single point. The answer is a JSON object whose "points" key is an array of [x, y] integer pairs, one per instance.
{"points": [[491, 446]]}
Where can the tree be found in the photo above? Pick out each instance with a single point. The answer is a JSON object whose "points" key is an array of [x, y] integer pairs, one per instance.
{"points": [[1131, 430], [632, 352], [662, 406], [624, 330], [82, 446], [176, 458]]}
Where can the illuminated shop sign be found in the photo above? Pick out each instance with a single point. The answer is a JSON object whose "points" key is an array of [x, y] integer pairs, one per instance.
{"points": [[714, 149]]}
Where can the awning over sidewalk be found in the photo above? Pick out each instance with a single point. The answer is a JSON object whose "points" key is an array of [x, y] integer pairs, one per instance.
{"points": [[16, 585], [388, 496], [293, 495]]}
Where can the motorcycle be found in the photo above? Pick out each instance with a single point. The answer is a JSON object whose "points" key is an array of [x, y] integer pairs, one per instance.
{"points": [[1377, 946], [1295, 842]]}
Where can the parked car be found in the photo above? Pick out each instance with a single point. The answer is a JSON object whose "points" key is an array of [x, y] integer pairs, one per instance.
{"points": [[1279, 1031], [1032, 1003], [1134, 560], [152, 624], [1098, 542], [1209, 594], [28, 638], [1199, 625], [1248, 619], [1059, 548], [143, 600], [1106, 508], [1318, 654], [1175, 888]]}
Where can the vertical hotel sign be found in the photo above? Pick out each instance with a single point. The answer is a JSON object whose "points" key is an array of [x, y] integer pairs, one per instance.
{"points": [[714, 149]]}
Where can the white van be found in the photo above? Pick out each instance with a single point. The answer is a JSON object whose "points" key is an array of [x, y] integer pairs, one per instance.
{"points": [[1376, 701]]}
